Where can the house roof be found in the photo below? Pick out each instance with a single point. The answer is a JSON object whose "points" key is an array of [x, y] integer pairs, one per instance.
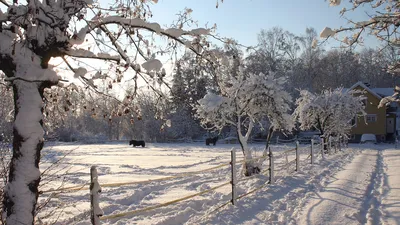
{"points": [[384, 92], [377, 92], [361, 84]]}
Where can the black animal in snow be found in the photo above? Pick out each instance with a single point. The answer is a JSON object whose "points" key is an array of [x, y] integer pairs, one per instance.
{"points": [[137, 143], [212, 141]]}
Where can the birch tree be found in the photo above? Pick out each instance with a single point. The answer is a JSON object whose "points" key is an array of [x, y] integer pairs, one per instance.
{"points": [[34, 32]]}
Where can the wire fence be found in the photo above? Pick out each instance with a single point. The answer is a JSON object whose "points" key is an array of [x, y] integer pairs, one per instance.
{"points": [[287, 160]]}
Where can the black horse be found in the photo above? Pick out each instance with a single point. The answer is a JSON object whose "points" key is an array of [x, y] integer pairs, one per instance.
{"points": [[211, 140], [137, 143]]}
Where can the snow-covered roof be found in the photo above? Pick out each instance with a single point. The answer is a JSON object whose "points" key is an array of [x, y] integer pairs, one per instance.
{"points": [[361, 84], [384, 92]]}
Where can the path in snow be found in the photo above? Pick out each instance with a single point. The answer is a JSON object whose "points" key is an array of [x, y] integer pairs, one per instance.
{"points": [[367, 191], [341, 200], [391, 187]]}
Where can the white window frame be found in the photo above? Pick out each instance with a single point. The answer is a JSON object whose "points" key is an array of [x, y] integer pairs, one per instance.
{"points": [[371, 116], [365, 102], [355, 121]]}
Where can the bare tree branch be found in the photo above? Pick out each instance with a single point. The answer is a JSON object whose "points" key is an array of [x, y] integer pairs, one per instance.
{"points": [[5, 3]]}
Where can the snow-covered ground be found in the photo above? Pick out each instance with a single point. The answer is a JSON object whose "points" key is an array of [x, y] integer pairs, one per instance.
{"points": [[366, 191], [367, 177]]}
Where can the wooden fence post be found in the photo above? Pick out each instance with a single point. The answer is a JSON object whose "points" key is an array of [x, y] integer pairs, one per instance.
{"points": [[271, 167], [297, 157], [312, 151], [95, 189], [322, 148], [233, 170]]}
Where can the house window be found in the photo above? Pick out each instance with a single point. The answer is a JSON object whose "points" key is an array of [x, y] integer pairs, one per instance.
{"points": [[353, 122], [364, 102], [371, 118]]}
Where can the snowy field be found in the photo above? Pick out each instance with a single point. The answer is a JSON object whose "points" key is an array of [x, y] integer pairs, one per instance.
{"points": [[279, 203]]}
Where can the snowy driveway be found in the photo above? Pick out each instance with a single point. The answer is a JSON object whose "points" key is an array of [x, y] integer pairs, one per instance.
{"points": [[366, 191], [391, 187]]}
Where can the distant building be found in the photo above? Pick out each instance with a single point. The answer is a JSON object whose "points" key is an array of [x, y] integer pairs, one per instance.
{"points": [[383, 122]]}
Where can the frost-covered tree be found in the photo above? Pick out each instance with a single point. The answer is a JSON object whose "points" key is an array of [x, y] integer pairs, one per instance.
{"points": [[35, 31], [330, 112], [190, 81], [245, 100], [183, 125], [151, 119]]}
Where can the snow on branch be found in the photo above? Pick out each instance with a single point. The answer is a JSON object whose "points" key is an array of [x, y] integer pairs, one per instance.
{"points": [[82, 53], [174, 33], [250, 95], [137, 23], [383, 23], [24, 68]]}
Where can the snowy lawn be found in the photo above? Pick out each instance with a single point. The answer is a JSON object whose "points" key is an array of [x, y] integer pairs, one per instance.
{"points": [[119, 162]]}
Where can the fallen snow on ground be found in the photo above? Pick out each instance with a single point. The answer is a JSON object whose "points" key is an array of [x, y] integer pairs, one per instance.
{"points": [[279, 203], [366, 191], [346, 198]]}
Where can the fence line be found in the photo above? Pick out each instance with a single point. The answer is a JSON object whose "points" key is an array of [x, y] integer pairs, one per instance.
{"points": [[233, 177], [129, 213], [118, 184], [80, 187], [96, 212], [69, 189], [287, 151], [285, 141], [262, 186], [311, 155], [184, 198]]}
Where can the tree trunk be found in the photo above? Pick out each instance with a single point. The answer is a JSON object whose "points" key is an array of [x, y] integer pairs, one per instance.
{"points": [[269, 136], [21, 192], [250, 166]]}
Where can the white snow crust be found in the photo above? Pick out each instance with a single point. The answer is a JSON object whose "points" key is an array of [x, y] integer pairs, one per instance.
{"points": [[363, 176]]}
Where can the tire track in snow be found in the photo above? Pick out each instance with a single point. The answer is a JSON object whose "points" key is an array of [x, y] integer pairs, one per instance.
{"points": [[371, 212], [341, 200], [391, 188]]}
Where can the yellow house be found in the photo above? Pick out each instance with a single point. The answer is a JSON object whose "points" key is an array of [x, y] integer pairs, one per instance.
{"points": [[378, 121]]}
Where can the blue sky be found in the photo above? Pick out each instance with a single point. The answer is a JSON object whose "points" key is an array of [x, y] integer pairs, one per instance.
{"points": [[243, 19]]}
